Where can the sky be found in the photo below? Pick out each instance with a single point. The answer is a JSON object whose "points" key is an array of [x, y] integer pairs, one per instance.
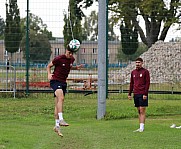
{"points": [[50, 11], [52, 14]]}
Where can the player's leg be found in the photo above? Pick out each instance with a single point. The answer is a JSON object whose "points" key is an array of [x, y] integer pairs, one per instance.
{"points": [[142, 111], [55, 85], [57, 126], [59, 100], [138, 101], [142, 114], [59, 106], [142, 117], [56, 113]]}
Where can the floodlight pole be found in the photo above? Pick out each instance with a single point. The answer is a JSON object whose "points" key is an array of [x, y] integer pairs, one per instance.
{"points": [[27, 49], [102, 58]]}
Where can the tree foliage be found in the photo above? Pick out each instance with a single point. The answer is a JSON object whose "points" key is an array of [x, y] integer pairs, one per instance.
{"points": [[86, 3], [2, 27], [91, 27], [39, 47], [72, 26], [124, 58], [13, 33], [36, 24], [158, 16], [111, 34], [129, 38]]}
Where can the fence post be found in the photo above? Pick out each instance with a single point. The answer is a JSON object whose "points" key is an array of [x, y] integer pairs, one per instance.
{"points": [[27, 49]]}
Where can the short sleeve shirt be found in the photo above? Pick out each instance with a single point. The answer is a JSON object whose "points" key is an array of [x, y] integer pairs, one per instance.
{"points": [[62, 67]]}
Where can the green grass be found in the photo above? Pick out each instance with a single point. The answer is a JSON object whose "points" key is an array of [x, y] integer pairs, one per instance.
{"points": [[26, 123]]}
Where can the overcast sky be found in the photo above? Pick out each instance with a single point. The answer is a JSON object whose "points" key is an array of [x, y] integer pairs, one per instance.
{"points": [[51, 12]]}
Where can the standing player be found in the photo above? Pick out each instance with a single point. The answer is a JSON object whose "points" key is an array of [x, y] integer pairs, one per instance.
{"points": [[139, 84], [62, 65]]}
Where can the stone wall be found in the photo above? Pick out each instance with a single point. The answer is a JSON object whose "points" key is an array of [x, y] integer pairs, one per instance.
{"points": [[163, 60]]}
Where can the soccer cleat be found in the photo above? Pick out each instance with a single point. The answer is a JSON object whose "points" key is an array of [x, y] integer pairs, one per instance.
{"points": [[173, 126], [63, 123], [138, 130], [57, 130], [178, 127]]}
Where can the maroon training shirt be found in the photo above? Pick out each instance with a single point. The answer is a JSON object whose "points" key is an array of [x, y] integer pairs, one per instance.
{"points": [[140, 81], [62, 67]]}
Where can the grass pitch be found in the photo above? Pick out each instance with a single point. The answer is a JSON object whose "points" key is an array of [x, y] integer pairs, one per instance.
{"points": [[27, 123]]}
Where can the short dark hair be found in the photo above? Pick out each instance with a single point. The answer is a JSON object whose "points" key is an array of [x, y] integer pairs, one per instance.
{"points": [[139, 59], [71, 50], [68, 48]]}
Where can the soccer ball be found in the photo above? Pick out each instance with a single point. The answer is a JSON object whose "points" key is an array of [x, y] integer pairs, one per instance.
{"points": [[74, 45]]}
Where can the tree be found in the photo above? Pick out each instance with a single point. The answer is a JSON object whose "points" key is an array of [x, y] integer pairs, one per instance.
{"points": [[2, 27], [13, 34], [129, 38], [72, 26], [125, 58], [39, 47], [111, 34], [156, 14], [86, 3], [91, 27], [36, 24]]}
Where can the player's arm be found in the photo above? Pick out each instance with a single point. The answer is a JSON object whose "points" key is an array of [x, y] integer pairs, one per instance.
{"points": [[78, 67], [130, 87], [147, 80], [147, 77], [49, 70]]}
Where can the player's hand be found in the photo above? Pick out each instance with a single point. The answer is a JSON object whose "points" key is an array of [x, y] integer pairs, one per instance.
{"points": [[129, 97], [50, 76], [144, 97], [79, 66]]}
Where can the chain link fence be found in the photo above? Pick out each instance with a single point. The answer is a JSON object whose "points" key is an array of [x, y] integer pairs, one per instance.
{"points": [[14, 79]]}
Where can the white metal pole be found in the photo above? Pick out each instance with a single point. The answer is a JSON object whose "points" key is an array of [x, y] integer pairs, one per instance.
{"points": [[101, 110]]}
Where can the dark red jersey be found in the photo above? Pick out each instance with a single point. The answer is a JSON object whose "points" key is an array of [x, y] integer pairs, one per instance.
{"points": [[62, 67], [140, 81]]}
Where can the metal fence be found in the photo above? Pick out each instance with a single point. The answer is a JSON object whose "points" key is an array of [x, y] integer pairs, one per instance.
{"points": [[13, 80], [8, 79]]}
